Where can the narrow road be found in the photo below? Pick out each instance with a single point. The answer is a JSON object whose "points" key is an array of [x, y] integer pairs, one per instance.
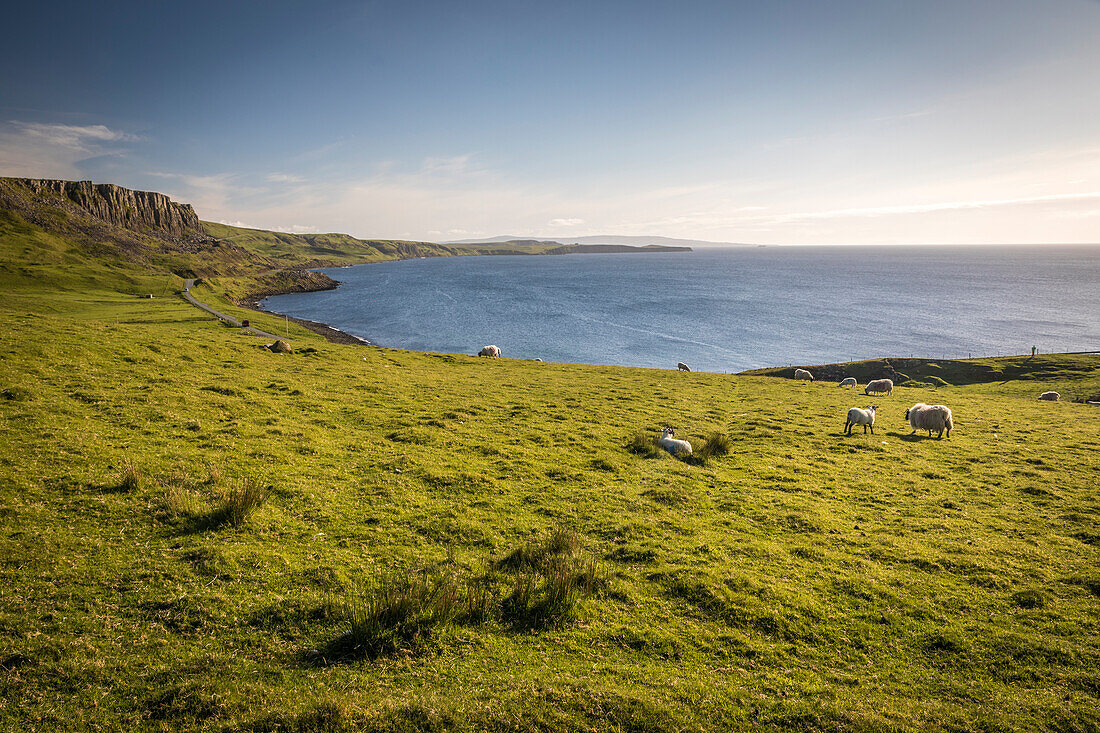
{"points": [[228, 319]]}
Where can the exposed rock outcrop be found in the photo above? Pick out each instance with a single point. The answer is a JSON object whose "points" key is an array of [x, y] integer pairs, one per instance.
{"points": [[139, 211]]}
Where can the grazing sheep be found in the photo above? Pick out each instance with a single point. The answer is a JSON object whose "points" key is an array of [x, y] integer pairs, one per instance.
{"points": [[847, 382], [879, 385], [930, 417], [1050, 396], [682, 366], [672, 445], [803, 374], [861, 416], [489, 351]]}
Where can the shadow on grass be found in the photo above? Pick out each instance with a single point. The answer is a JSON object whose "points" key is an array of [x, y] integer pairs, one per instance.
{"points": [[232, 507], [911, 437], [535, 587]]}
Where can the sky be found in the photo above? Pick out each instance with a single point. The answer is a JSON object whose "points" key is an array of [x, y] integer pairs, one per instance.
{"points": [[784, 122]]}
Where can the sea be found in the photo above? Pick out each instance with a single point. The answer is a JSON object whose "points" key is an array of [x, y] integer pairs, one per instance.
{"points": [[724, 309]]}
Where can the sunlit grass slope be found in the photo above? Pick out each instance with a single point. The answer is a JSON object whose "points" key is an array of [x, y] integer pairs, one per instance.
{"points": [[190, 527], [1074, 376]]}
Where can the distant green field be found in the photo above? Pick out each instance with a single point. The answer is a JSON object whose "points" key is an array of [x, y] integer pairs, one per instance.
{"points": [[508, 552]]}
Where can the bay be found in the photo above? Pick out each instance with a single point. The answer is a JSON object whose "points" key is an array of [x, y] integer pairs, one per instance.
{"points": [[724, 310]]}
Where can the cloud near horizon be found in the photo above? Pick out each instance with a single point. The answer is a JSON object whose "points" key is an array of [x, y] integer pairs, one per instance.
{"points": [[47, 150], [449, 197]]}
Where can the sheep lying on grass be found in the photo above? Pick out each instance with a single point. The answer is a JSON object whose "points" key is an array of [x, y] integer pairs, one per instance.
{"points": [[930, 417], [861, 416], [1050, 396], [672, 445], [489, 351], [847, 382], [682, 366], [879, 385], [803, 374]]}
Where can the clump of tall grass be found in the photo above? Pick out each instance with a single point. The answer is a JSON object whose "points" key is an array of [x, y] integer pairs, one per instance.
{"points": [[479, 604], [535, 586], [399, 613], [177, 502], [549, 595], [235, 504], [130, 477], [645, 445], [549, 579], [214, 475], [717, 444], [538, 554]]}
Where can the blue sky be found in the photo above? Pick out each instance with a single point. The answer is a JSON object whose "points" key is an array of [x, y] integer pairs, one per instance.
{"points": [[870, 121]]}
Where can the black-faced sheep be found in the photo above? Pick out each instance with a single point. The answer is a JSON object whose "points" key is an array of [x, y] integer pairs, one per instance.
{"points": [[672, 445], [930, 417], [682, 366], [861, 416]]}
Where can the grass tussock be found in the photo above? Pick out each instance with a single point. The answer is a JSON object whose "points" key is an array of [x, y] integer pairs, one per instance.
{"points": [[536, 586], [644, 445], [716, 445], [549, 577], [130, 477], [539, 554], [177, 502], [236, 504], [549, 595], [399, 613]]}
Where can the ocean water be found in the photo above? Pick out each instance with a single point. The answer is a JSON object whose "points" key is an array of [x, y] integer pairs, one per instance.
{"points": [[724, 310]]}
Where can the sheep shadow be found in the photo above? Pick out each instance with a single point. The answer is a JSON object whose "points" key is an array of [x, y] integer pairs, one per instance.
{"points": [[911, 437]]}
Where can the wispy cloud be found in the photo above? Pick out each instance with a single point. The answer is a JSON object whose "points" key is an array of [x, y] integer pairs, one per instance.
{"points": [[79, 137], [449, 166], [39, 149], [566, 222], [284, 178]]}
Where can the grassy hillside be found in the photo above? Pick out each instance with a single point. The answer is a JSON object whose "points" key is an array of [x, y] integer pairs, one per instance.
{"points": [[198, 534], [1075, 376]]}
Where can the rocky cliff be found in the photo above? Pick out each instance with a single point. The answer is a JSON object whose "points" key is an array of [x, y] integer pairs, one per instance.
{"points": [[139, 211]]}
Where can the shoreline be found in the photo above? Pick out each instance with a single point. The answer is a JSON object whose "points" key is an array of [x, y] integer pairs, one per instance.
{"points": [[331, 333]]}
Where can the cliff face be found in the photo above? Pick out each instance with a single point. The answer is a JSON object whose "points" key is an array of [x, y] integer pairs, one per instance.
{"points": [[138, 211]]}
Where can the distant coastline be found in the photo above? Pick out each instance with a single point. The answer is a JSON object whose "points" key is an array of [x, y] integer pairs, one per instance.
{"points": [[552, 247]]}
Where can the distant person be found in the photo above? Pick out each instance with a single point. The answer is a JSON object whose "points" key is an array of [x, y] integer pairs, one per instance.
{"points": [[1034, 350]]}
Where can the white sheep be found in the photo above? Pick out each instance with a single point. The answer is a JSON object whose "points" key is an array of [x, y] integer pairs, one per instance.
{"points": [[1050, 396], [803, 374], [672, 445], [847, 382], [861, 416], [930, 417], [489, 351], [879, 385], [682, 366]]}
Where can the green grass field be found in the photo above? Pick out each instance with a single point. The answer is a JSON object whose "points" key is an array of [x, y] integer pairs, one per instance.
{"points": [[198, 534]]}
